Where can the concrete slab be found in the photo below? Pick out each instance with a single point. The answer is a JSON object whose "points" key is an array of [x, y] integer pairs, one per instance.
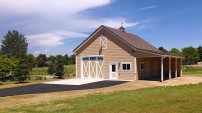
{"points": [[74, 81]]}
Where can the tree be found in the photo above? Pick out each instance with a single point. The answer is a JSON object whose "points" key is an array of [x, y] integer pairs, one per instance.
{"points": [[6, 66], [14, 44], [163, 50], [51, 68], [66, 58], [175, 51], [30, 61], [72, 59], [59, 72], [21, 72], [191, 55], [41, 60], [200, 52]]}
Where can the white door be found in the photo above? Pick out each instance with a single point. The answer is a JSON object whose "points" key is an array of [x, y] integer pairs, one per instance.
{"points": [[92, 67], [113, 70]]}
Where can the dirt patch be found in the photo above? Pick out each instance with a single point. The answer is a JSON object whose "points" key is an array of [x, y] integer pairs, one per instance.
{"points": [[35, 98]]}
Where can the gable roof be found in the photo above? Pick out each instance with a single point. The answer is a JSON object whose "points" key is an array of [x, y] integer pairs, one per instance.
{"points": [[134, 40], [130, 39]]}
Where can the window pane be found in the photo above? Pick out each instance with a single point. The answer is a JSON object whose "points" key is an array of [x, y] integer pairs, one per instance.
{"points": [[124, 66], [142, 66], [85, 58], [128, 66], [92, 58], [113, 68], [100, 58]]}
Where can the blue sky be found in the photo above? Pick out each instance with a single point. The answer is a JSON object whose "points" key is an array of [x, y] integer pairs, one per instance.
{"points": [[57, 27]]}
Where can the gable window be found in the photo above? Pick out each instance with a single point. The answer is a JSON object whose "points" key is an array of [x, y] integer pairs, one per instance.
{"points": [[142, 66], [126, 66], [103, 42]]}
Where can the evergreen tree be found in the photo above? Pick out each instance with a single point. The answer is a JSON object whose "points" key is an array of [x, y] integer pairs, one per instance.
{"points": [[51, 68], [59, 72], [21, 72]]}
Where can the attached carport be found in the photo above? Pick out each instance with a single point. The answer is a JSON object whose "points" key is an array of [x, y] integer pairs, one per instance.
{"points": [[168, 65]]}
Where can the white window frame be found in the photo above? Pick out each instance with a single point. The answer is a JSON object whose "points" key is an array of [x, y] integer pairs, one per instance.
{"points": [[102, 37], [140, 66], [126, 66]]}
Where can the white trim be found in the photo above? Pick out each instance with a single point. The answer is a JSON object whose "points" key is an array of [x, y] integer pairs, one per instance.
{"points": [[175, 67], [126, 66], [181, 67], [162, 69], [97, 71], [103, 41], [140, 66], [170, 68], [135, 68], [111, 63]]}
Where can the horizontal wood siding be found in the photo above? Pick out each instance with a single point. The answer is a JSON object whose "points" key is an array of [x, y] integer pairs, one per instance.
{"points": [[116, 52], [144, 74]]}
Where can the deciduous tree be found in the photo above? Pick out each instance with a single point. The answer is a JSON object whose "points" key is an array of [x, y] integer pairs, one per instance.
{"points": [[14, 44], [191, 55]]}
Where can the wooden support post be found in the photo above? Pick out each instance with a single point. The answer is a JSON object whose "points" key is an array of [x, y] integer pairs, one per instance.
{"points": [[181, 67], [175, 67], [135, 68], [170, 68], [161, 69]]}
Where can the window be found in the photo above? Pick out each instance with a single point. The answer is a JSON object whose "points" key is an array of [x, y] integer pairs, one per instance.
{"points": [[92, 58], [126, 66], [85, 58], [100, 58], [103, 42], [142, 66]]}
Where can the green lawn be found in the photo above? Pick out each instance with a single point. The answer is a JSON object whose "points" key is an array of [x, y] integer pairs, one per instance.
{"points": [[192, 70], [176, 99], [69, 69]]}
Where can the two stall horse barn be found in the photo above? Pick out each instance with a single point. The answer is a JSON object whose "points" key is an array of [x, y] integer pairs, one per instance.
{"points": [[114, 54]]}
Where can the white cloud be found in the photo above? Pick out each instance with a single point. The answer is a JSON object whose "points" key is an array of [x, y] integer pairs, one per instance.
{"points": [[148, 7], [49, 23], [50, 7], [52, 39]]}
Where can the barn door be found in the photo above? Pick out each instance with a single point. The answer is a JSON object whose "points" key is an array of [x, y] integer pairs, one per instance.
{"points": [[92, 67]]}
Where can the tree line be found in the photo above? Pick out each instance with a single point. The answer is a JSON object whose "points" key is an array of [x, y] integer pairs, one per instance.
{"points": [[191, 55], [16, 63]]}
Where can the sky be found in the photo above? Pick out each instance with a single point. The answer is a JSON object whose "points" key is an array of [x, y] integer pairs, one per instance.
{"points": [[55, 27]]}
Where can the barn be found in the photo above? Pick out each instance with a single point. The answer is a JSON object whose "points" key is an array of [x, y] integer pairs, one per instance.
{"points": [[114, 54]]}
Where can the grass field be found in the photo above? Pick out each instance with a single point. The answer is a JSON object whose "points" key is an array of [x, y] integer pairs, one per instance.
{"points": [[177, 99], [69, 69], [192, 70]]}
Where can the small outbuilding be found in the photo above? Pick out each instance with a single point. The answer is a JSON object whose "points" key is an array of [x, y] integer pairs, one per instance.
{"points": [[110, 53]]}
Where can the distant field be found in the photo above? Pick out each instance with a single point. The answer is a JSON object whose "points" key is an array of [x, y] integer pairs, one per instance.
{"points": [[69, 69], [192, 70], [176, 99]]}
